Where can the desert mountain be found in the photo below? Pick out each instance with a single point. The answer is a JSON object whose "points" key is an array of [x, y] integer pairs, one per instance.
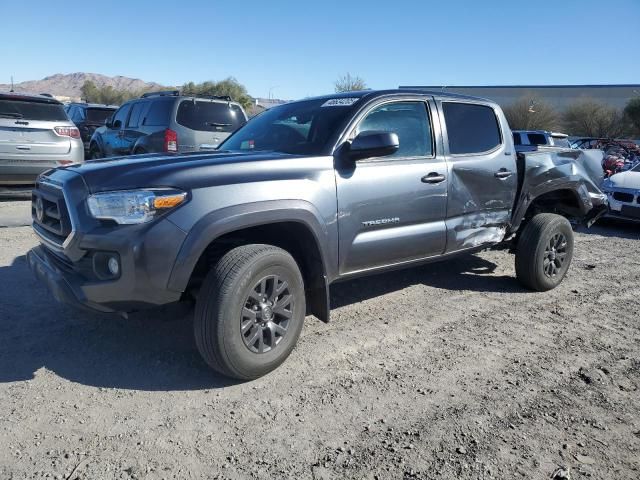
{"points": [[69, 85]]}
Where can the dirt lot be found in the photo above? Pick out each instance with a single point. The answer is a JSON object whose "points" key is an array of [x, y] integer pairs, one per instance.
{"points": [[448, 371]]}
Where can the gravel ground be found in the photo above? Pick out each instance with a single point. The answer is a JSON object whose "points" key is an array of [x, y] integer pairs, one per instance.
{"points": [[448, 371], [14, 213]]}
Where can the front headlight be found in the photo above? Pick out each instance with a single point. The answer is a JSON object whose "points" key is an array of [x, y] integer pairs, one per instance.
{"points": [[128, 207]]}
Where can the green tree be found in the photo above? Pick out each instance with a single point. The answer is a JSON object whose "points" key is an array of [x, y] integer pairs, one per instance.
{"points": [[529, 113], [632, 112], [107, 94], [349, 83], [593, 119], [229, 86]]}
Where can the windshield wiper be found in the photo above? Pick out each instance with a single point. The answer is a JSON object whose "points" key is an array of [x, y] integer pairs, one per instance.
{"points": [[216, 124], [11, 115]]}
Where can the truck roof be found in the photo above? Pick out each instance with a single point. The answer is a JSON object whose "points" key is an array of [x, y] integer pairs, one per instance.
{"points": [[379, 93]]}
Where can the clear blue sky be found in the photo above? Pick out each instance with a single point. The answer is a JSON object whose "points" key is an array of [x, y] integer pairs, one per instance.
{"points": [[300, 47]]}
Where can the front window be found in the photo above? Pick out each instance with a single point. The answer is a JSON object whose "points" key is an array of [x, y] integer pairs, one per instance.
{"points": [[303, 128], [409, 120]]}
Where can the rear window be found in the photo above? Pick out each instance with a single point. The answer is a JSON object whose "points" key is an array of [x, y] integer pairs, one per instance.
{"points": [[561, 142], [98, 115], [158, 114], [471, 128], [537, 139], [29, 110], [209, 116]]}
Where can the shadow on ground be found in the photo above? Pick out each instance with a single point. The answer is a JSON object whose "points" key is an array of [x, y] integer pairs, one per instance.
{"points": [[155, 350]]}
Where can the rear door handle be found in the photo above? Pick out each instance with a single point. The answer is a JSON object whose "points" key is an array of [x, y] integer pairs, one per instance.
{"points": [[433, 177], [503, 173]]}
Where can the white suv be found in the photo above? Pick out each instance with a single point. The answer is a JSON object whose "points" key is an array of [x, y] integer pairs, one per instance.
{"points": [[35, 135]]}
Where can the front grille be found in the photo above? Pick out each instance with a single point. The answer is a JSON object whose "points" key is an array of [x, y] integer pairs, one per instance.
{"points": [[49, 212], [623, 197]]}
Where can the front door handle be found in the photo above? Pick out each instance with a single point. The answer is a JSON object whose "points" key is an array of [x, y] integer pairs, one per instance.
{"points": [[433, 177], [503, 173]]}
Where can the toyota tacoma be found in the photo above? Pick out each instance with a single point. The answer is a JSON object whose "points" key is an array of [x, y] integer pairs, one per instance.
{"points": [[304, 195]]}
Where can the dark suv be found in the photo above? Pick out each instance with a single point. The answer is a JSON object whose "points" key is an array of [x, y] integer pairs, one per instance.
{"points": [[87, 117], [167, 122]]}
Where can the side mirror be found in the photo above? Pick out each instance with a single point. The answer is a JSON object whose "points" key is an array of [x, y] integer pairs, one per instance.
{"points": [[107, 122], [374, 144], [117, 124]]}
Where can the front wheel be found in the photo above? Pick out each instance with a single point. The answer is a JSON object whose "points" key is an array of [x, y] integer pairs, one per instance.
{"points": [[544, 252], [250, 311], [95, 152]]}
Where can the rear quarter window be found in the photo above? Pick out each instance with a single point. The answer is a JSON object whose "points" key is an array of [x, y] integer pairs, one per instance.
{"points": [[209, 116], [158, 114], [471, 128], [30, 110]]}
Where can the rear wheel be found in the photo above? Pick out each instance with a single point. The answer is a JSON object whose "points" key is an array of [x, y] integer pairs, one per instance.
{"points": [[250, 311], [544, 251]]}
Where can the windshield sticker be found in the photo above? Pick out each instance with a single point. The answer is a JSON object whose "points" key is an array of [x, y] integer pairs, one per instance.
{"points": [[247, 145], [340, 102]]}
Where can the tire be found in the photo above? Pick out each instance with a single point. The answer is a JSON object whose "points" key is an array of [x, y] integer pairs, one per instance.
{"points": [[544, 252], [139, 151], [230, 311], [95, 152]]}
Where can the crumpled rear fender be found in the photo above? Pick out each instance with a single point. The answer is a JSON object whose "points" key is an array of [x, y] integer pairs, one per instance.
{"points": [[552, 170]]}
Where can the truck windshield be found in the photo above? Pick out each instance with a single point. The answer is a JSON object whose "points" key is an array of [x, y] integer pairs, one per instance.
{"points": [[302, 128]]}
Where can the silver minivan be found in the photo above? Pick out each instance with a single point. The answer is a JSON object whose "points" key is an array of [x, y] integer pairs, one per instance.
{"points": [[167, 122], [35, 135]]}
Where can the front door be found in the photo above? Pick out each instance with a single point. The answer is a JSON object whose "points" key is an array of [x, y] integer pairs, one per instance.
{"points": [[391, 210], [112, 137]]}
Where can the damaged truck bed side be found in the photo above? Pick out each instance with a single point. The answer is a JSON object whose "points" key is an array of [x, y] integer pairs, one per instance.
{"points": [[305, 195]]}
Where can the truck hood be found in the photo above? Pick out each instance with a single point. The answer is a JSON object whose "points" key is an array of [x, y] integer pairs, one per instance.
{"points": [[190, 170]]}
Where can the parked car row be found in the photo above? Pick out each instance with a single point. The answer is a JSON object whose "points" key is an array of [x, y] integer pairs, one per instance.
{"points": [[531, 139], [88, 117], [37, 132]]}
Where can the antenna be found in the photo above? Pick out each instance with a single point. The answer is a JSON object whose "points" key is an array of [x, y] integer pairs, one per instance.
{"points": [[11, 91]]}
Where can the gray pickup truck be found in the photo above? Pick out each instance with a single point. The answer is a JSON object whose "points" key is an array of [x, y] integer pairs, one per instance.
{"points": [[304, 195]]}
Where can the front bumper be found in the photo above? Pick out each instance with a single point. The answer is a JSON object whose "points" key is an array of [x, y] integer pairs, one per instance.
{"points": [[65, 287], [77, 284]]}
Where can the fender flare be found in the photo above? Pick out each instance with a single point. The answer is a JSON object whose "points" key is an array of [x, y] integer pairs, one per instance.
{"points": [[230, 219], [575, 184]]}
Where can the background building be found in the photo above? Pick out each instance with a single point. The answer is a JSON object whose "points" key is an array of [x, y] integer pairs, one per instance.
{"points": [[558, 96]]}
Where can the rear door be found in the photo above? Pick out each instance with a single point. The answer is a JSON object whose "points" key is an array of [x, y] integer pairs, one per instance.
{"points": [[391, 210], [482, 173], [204, 124]]}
